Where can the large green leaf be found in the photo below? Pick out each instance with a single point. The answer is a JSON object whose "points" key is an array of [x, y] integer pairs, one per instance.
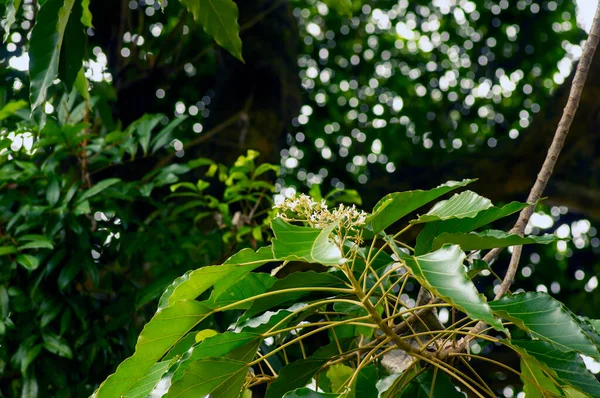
{"points": [[219, 18], [312, 245], [488, 240], [308, 393], [566, 367], [194, 283], [461, 205], [423, 386], [215, 377], [547, 319], [45, 46], [239, 346], [303, 280], [158, 336], [536, 384], [366, 382], [251, 285], [443, 273], [97, 188], [396, 205], [72, 50], [146, 384], [338, 375], [484, 217]]}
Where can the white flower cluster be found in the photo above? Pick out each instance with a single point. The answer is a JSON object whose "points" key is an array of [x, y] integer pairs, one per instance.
{"points": [[316, 214]]}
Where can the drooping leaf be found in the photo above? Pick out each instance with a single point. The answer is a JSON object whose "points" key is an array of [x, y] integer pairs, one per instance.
{"points": [[97, 188], [484, 217], [442, 272], [28, 261], [73, 49], [308, 393], [194, 283], [219, 18], [489, 240], [396, 205], [45, 46], [11, 16], [215, 377], [158, 336], [545, 318], [312, 245], [305, 280], [146, 384], [566, 367], [461, 205], [297, 374], [536, 384], [423, 386]]}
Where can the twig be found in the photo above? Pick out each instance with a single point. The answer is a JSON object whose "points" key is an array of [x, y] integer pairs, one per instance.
{"points": [[546, 171]]}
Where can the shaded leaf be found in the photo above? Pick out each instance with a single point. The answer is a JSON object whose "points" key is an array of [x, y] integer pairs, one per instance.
{"points": [[396, 205], [251, 285], [97, 188], [219, 18], [566, 367], [484, 217], [45, 46], [308, 393], [73, 49], [193, 283], [476, 268], [489, 240], [217, 377], [343, 7], [461, 205], [547, 319], [366, 382], [28, 261], [312, 245], [57, 345], [442, 272], [536, 384], [423, 386], [11, 16], [166, 328], [11, 108], [146, 384], [164, 136]]}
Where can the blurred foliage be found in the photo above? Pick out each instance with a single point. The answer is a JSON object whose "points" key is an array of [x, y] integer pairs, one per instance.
{"points": [[112, 186]]}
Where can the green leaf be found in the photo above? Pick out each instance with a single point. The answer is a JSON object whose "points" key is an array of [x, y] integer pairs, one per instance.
{"points": [[442, 272], [57, 345], [396, 205], [566, 367], [488, 240], [4, 301], [86, 17], [82, 85], [545, 318], [343, 7], [423, 386], [305, 280], [435, 228], [4, 250], [53, 192], [265, 167], [35, 242], [144, 127], [477, 267], [308, 393], [251, 285], [11, 108], [144, 386], [366, 382], [72, 50], [203, 334], [215, 377], [219, 18], [536, 384], [461, 205], [28, 261], [97, 188], [160, 334], [11, 16], [307, 244], [165, 135], [338, 375], [297, 374], [194, 283], [45, 46]]}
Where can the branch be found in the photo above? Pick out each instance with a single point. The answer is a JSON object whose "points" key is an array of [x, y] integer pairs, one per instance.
{"points": [[548, 166]]}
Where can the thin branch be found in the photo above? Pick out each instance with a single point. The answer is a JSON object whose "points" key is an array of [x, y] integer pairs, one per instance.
{"points": [[546, 171]]}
